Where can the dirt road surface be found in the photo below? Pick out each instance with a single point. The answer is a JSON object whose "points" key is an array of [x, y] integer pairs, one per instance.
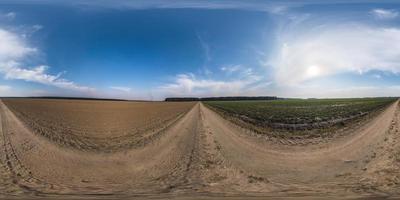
{"points": [[203, 156]]}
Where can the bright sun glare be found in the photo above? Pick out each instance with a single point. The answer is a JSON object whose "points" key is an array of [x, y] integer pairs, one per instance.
{"points": [[313, 71]]}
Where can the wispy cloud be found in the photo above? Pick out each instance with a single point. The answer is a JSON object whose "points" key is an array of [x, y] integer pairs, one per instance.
{"points": [[205, 46], [207, 54], [121, 88], [36, 27], [318, 91], [231, 68], [243, 81], [377, 76], [274, 7], [14, 50], [329, 50], [190, 85], [8, 15], [11, 15], [240, 72], [384, 13]]}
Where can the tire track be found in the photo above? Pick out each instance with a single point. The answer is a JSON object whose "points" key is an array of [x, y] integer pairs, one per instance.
{"points": [[201, 153], [381, 173], [150, 169], [316, 170], [16, 174]]}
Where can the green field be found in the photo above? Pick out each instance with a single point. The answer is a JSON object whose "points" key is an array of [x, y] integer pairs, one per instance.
{"points": [[300, 112]]}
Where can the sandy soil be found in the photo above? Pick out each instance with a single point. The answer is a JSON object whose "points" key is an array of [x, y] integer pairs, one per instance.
{"points": [[203, 156]]}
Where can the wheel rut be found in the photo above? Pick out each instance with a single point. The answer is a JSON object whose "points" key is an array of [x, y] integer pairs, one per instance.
{"points": [[202, 153], [325, 169]]}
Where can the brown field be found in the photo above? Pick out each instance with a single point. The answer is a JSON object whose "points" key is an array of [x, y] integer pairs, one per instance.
{"points": [[96, 125], [70, 149]]}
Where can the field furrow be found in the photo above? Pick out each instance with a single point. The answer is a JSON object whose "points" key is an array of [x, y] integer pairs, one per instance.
{"points": [[97, 126]]}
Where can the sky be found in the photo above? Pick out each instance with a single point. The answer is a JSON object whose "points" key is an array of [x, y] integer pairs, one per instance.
{"points": [[153, 49]]}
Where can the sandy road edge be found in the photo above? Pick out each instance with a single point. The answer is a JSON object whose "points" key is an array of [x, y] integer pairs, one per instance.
{"points": [[328, 169]]}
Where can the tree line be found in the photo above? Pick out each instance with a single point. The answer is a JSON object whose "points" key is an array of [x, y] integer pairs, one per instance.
{"points": [[232, 98]]}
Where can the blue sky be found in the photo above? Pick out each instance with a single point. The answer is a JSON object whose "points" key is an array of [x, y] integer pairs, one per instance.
{"points": [[155, 49]]}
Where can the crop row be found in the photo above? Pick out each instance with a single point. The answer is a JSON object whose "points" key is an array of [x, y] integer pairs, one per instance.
{"points": [[300, 113]]}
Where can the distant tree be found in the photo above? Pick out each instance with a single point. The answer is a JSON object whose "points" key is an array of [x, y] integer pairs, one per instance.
{"points": [[231, 98]]}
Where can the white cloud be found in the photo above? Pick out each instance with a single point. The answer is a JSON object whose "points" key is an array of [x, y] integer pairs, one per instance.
{"points": [[264, 6], [12, 47], [329, 50], [36, 27], [240, 81], [384, 13], [317, 91], [377, 76], [8, 16], [231, 68], [280, 9], [13, 51], [206, 71], [240, 72], [189, 85], [120, 88], [243, 82]]}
